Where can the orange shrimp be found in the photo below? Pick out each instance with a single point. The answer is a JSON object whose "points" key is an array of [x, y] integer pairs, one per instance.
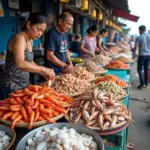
{"points": [[61, 110], [33, 88], [4, 108], [15, 108], [7, 115], [51, 100], [20, 95], [40, 96], [28, 92], [35, 104], [43, 89], [19, 117], [46, 117], [28, 102], [28, 109], [44, 110], [18, 100], [33, 97], [25, 98], [64, 98], [40, 118], [24, 113], [16, 95], [14, 115], [4, 102], [37, 114], [13, 101], [44, 101], [31, 119], [18, 106], [54, 113], [18, 91]]}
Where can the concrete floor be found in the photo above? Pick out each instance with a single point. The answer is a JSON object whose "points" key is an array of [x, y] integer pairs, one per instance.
{"points": [[139, 132]]}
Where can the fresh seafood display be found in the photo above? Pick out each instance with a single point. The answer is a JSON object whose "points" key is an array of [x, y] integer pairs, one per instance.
{"points": [[113, 88], [124, 59], [112, 78], [61, 139], [81, 73], [32, 104], [101, 59], [4, 140], [117, 64], [69, 84], [91, 66], [99, 112]]}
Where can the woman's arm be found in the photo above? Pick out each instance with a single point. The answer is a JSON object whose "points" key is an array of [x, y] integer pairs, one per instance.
{"points": [[85, 50], [105, 48], [99, 43]]}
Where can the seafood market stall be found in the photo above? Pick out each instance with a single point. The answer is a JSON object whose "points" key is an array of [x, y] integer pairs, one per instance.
{"points": [[90, 103]]}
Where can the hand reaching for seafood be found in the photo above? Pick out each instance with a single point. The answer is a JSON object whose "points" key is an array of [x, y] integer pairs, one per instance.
{"points": [[47, 73]]}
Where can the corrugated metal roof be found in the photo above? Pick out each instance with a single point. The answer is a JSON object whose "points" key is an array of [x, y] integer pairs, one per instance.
{"points": [[119, 4]]}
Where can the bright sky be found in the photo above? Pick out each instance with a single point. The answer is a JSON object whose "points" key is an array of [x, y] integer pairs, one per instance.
{"points": [[139, 8]]}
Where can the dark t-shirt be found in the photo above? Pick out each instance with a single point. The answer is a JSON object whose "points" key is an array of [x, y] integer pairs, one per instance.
{"points": [[75, 47], [58, 43]]}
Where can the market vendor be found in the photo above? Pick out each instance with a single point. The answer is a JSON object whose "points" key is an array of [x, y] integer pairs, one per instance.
{"points": [[89, 44], [56, 45], [19, 57], [101, 41]]}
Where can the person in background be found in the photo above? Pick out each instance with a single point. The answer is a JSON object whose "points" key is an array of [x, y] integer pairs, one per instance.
{"points": [[143, 44], [102, 41], [117, 38], [19, 58], [89, 43], [132, 43], [56, 45], [75, 46]]}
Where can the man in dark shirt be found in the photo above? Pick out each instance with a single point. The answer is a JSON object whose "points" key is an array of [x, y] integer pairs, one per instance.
{"points": [[56, 45]]}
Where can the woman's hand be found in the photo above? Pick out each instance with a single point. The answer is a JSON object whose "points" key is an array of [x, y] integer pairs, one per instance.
{"points": [[92, 55], [47, 73]]}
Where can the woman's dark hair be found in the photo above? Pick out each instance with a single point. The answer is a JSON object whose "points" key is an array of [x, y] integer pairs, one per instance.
{"points": [[93, 28], [36, 18], [103, 31]]}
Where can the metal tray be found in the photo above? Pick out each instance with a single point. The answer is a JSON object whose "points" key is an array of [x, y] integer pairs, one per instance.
{"points": [[78, 128]]}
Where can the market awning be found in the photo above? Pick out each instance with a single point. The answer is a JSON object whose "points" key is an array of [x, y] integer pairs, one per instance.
{"points": [[118, 4], [125, 15]]}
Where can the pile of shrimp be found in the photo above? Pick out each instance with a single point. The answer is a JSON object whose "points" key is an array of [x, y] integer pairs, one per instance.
{"points": [[117, 64], [98, 111], [112, 78], [32, 104], [69, 84], [91, 66], [101, 59], [83, 74]]}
